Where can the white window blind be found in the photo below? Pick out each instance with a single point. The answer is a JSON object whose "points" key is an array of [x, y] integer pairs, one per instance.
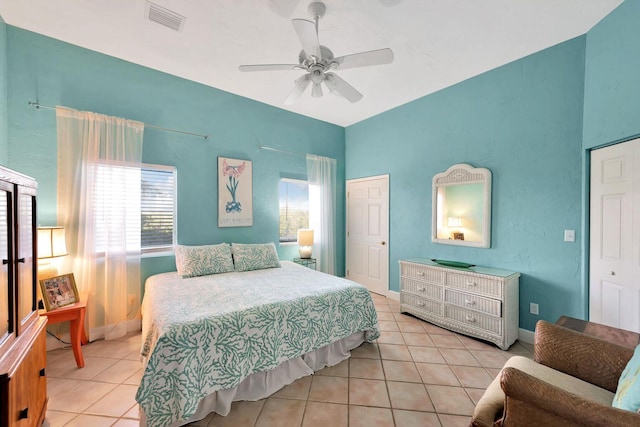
{"points": [[142, 200], [294, 208], [158, 207]]}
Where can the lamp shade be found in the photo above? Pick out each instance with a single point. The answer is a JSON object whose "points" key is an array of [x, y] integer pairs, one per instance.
{"points": [[51, 242], [305, 237], [454, 221]]}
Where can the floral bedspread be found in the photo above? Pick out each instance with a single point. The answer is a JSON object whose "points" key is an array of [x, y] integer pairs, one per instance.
{"points": [[208, 333]]}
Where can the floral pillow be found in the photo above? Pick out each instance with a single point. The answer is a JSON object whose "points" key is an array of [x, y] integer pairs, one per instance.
{"points": [[254, 256], [628, 392], [194, 261]]}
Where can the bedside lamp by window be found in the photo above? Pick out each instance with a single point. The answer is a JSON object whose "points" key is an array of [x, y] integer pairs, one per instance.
{"points": [[455, 223], [51, 244], [305, 242]]}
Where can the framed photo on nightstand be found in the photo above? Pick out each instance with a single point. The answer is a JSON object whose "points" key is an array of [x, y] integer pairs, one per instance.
{"points": [[59, 291]]}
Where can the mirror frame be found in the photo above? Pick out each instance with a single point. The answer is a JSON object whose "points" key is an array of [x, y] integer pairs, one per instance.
{"points": [[461, 174]]}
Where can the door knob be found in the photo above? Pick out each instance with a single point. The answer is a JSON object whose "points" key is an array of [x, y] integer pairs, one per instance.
{"points": [[383, 243]]}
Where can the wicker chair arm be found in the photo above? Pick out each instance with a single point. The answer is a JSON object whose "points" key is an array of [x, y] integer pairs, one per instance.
{"points": [[582, 356], [528, 398]]}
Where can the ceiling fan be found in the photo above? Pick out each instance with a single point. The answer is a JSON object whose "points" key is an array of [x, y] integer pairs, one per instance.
{"points": [[318, 61]]}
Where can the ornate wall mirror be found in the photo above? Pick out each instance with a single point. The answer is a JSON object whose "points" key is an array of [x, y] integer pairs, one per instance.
{"points": [[462, 206]]}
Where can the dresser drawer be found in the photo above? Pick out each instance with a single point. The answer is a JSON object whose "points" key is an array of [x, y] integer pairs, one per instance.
{"points": [[475, 284], [422, 304], [474, 319], [424, 289], [473, 302], [421, 272]]}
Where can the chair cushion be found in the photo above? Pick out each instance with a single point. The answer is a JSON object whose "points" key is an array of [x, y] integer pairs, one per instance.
{"points": [[628, 392], [490, 406]]}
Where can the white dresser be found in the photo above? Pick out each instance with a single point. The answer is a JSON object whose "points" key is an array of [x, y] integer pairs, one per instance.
{"points": [[478, 301]]}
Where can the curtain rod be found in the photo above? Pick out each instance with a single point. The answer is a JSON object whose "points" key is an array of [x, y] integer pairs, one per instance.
{"points": [[46, 107], [293, 153]]}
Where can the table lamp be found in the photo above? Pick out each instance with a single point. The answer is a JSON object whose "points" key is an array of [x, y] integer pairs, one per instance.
{"points": [[305, 242], [51, 244], [455, 223]]}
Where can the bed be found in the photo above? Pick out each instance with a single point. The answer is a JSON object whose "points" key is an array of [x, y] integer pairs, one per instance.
{"points": [[213, 339]]}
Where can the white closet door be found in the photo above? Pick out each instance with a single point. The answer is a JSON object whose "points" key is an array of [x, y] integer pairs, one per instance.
{"points": [[615, 236]]}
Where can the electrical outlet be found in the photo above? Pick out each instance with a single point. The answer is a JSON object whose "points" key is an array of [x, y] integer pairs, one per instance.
{"points": [[133, 298], [569, 235], [533, 308]]}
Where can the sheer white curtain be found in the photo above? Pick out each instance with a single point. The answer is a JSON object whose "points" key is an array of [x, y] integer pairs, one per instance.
{"points": [[321, 174], [99, 201]]}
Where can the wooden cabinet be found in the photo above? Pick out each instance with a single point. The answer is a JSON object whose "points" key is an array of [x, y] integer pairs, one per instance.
{"points": [[23, 387], [480, 302]]}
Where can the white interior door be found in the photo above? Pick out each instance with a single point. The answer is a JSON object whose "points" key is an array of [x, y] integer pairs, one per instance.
{"points": [[614, 260], [368, 232]]}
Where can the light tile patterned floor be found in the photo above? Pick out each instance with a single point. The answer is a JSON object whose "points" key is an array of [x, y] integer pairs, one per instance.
{"points": [[416, 374]]}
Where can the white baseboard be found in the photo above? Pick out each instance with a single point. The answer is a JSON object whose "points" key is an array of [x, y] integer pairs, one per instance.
{"points": [[393, 295], [54, 343], [525, 335]]}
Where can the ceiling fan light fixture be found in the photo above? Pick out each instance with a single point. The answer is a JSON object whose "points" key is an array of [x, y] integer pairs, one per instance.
{"points": [[316, 90], [302, 82], [330, 82]]}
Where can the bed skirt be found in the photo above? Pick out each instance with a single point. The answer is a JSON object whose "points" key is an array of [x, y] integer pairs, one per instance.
{"points": [[263, 384]]}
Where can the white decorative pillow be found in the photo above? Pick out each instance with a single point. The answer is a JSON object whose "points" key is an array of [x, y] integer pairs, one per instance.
{"points": [[254, 256], [194, 261]]}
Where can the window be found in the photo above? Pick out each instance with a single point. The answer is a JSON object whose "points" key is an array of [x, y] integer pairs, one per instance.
{"points": [[158, 208], [149, 203], [294, 208]]}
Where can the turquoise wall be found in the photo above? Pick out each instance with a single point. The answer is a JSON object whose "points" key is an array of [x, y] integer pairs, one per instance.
{"points": [[612, 82], [55, 73], [530, 122], [523, 121], [4, 126]]}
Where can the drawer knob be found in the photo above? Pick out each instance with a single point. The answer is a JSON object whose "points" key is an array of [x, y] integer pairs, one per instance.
{"points": [[470, 319], [23, 414], [471, 284], [469, 302], [42, 373], [420, 303], [422, 289]]}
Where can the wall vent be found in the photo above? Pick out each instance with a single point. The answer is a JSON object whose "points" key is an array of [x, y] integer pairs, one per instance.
{"points": [[164, 16]]}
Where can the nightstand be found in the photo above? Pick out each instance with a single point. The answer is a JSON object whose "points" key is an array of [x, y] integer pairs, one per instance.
{"points": [[74, 313], [307, 262]]}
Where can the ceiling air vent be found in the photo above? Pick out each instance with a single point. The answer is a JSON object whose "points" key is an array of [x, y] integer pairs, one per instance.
{"points": [[164, 16]]}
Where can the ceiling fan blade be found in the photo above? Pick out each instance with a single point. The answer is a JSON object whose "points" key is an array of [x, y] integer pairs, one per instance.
{"points": [[363, 59], [342, 88], [316, 90], [299, 85], [308, 37], [268, 67]]}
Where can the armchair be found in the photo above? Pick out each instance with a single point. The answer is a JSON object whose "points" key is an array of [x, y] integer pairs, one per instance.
{"points": [[571, 382]]}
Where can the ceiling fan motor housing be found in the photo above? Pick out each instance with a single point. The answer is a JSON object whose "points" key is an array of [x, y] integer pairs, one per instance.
{"points": [[308, 61]]}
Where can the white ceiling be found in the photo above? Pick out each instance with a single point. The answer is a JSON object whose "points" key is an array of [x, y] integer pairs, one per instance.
{"points": [[436, 43]]}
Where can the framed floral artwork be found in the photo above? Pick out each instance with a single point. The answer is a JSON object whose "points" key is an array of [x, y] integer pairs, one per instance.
{"points": [[235, 192]]}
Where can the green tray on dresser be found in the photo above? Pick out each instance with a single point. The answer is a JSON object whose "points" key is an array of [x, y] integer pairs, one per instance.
{"points": [[452, 263]]}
